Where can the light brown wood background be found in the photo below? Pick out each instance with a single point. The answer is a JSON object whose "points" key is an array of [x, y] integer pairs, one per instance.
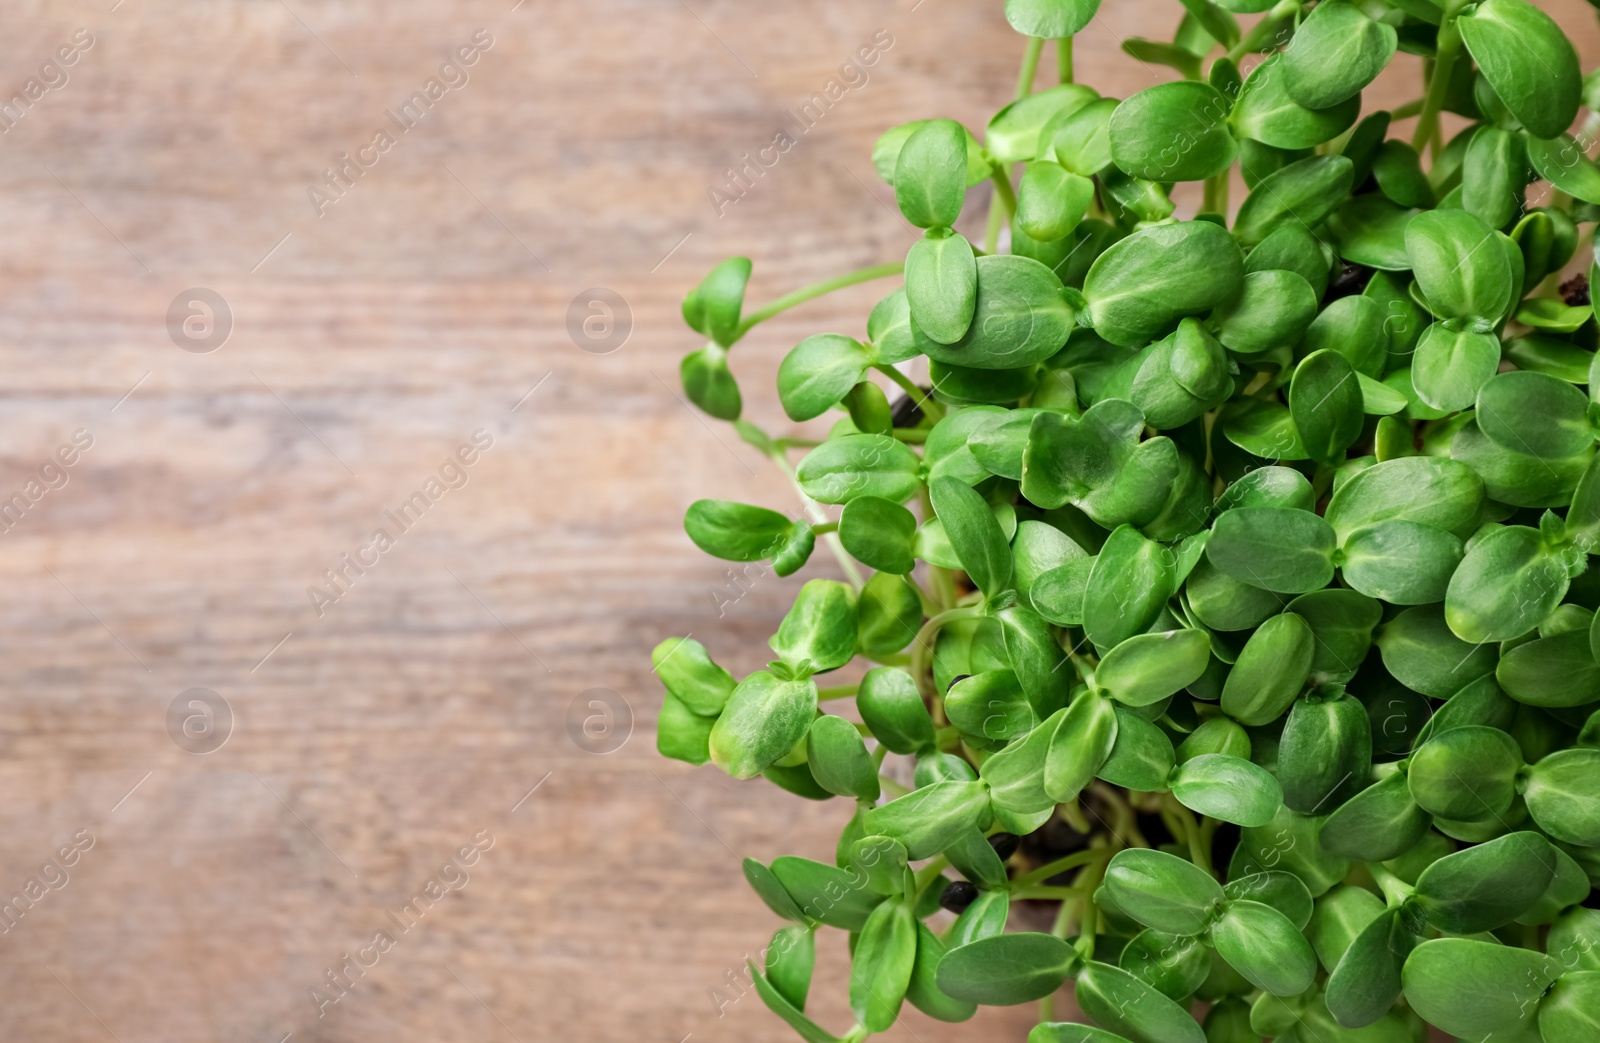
{"points": [[365, 347]]}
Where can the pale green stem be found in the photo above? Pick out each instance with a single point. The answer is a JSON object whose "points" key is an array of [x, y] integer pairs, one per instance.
{"points": [[1208, 831], [1216, 194], [1394, 889], [1088, 912], [1062, 921], [991, 234], [1252, 41], [1439, 81], [1170, 819], [1085, 666], [1030, 66], [1004, 192], [930, 607], [1198, 853], [924, 401], [942, 580], [1125, 832], [1002, 173], [1002, 205], [1064, 58], [1406, 111], [806, 293], [1061, 865], [922, 646], [1061, 893], [929, 873]]}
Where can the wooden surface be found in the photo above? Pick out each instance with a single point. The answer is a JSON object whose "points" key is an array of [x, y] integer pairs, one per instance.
{"points": [[416, 712]]}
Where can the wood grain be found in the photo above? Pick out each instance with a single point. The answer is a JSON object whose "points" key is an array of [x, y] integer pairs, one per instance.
{"points": [[367, 344]]}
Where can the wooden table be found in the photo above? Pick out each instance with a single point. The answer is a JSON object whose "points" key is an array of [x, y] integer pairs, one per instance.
{"points": [[373, 331]]}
